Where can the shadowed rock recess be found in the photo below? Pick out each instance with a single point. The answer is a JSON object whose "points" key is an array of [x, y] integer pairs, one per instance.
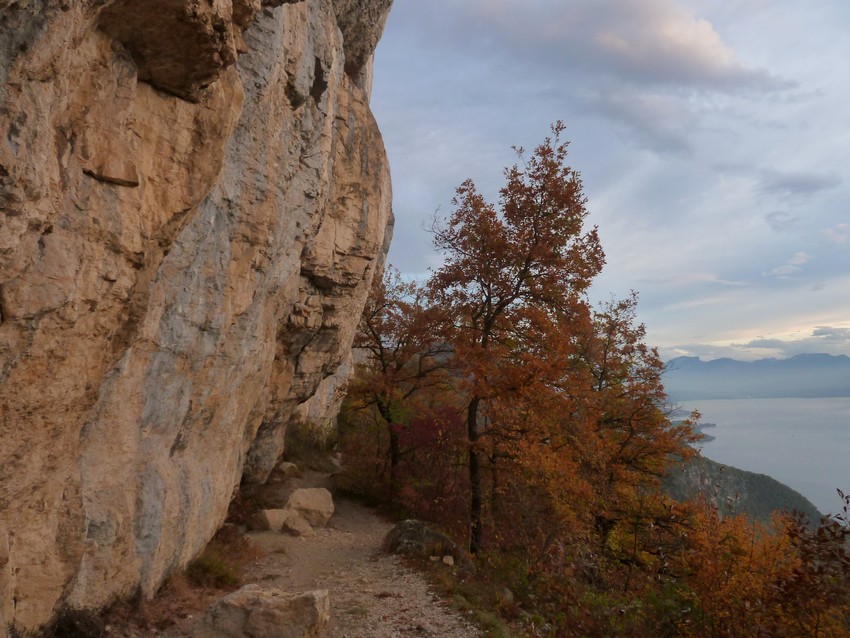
{"points": [[194, 199]]}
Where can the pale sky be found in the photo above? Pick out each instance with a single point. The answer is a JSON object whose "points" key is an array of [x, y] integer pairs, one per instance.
{"points": [[713, 139]]}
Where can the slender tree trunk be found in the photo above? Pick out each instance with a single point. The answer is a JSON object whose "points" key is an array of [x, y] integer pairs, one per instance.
{"points": [[395, 455], [395, 445], [495, 501], [474, 478]]}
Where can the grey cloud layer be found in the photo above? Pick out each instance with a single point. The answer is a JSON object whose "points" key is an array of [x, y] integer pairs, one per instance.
{"points": [[643, 42], [712, 141]]}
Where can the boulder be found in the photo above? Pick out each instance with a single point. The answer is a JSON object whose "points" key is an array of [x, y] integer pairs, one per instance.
{"points": [[283, 472], [315, 504], [289, 470], [281, 520], [415, 538], [296, 525], [267, 520], [256, 612]]}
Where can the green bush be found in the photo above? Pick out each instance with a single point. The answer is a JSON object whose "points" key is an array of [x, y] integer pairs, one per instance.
{"points": [[210, 569]]}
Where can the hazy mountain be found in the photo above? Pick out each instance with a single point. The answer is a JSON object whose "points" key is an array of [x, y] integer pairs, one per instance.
{"points": [[805, 375]]}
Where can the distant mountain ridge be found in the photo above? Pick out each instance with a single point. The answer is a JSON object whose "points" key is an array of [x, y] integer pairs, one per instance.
{"points": [[801, 376]]}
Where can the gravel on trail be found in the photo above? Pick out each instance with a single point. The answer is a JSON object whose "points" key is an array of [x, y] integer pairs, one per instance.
{"points": [[372, 595]]}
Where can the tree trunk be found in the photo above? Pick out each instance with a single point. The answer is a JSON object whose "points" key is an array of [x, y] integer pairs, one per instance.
{"points": [[395, 455], [474, 478], [386, 413]]}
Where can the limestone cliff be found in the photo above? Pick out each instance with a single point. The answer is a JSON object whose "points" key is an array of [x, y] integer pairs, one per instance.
{"points": [[194, 198]]}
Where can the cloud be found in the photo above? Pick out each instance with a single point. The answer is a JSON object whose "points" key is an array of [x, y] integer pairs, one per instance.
{"points": [[657, 41], [798, 259], [656, 121], [834, 340], [707, 352], [642, 64], [696, 278], [832, 334], [838, 234], [699, 167], [796, 183], [790, 267], [781, 220], [638, 41], [821, 339], [763, 344]]}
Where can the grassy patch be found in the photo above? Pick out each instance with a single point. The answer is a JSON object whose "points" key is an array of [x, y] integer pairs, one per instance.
{"points": [[211, 569]]}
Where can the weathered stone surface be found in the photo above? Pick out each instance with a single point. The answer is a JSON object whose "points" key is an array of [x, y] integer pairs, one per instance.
{"points": [[187, 237], [179, 46], [321, 409], [357, 20], [265, 613], [315, 504]]}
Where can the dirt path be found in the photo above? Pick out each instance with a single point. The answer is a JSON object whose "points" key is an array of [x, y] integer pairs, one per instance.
{"points": [[372, 595]]}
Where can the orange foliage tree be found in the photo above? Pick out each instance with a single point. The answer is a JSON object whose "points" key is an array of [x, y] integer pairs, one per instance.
{"points": [[400, 355], [635, 439], [508, 272]]}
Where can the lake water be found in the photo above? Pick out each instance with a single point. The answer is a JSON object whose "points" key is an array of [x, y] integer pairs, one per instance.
{"points": [[804, 443]]}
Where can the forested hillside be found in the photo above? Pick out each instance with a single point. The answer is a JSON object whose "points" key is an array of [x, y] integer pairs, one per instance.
{"points": [[734, 491]]}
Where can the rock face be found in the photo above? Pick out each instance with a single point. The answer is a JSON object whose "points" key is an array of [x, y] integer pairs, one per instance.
{"points": [[194, 198], [320, 410]]}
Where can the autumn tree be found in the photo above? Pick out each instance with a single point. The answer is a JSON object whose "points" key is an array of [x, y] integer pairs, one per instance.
{"points": [[636, 440], [401, 354], [601, 439], [508, 271]]}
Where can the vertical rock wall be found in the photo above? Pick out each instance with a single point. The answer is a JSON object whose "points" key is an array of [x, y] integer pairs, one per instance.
{"points": [[194, 198]]}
